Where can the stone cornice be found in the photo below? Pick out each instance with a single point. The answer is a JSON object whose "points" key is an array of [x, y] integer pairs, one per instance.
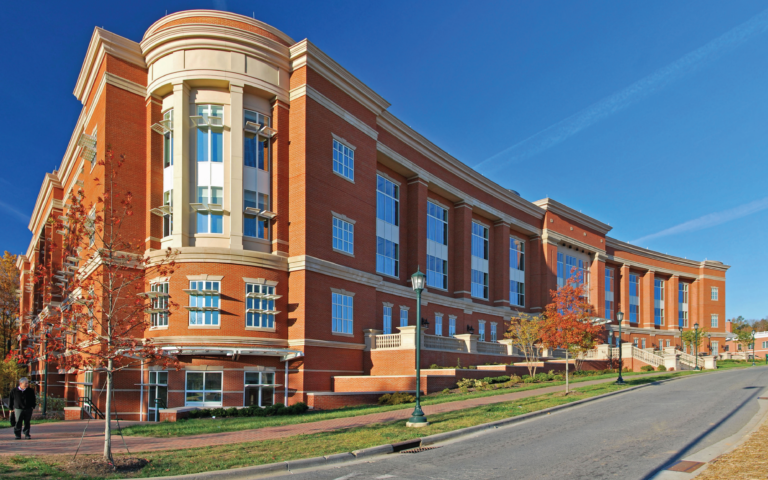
{"points": [[224, 255], [309, 342], [102, 43], [567, 212], [305, 53], [470, 201], [200, 340], [126, 85], [410, 137], [313, 264], [217, 14], [50, 182], [555, 238], [629, 248], [310, 92]]}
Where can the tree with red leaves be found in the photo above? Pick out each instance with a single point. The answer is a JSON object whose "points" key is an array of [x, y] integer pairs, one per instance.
{"points": [[94, 277], [567, 321]]}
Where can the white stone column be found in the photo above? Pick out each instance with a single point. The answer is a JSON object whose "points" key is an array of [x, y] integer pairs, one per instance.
{"points": [[470, 340], [511, 349], [235, 193], [182, 166], [710, 362], [672, 361], [369, 335]]}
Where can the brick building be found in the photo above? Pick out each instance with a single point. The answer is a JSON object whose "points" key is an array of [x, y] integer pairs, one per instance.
{"points": [[301, 206]]}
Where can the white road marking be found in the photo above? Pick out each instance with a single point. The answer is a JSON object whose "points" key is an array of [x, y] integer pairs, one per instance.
{"points": [[345, 477]]}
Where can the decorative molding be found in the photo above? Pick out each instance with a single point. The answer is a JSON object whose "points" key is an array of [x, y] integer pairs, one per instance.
{"points": [[388, 177], [159, 280], [180, 341], [341, 291], [260, 281], [313, 264], [558, 238], [565, 211], [205, 277], [310, 92], [305, 53], [225, 255], [388, 304], [634, 249], [343, 217], [126, 85], [309, 342], [403, 307]]}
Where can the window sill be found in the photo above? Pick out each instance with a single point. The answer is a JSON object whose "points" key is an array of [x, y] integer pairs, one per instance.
{"points": [[164, 327], [209, 235], [260, 329], [386, 275], [339, 334], [265, 241], [343, 252], [479, 298], [437, 288], [205, 327], [342, 176]]}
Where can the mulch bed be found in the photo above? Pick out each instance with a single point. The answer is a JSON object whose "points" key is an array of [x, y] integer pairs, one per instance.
{"points": [[748, 461], [97, 467]]}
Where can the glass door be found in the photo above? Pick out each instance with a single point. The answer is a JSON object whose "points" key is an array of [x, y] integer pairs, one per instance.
{"points": [[88, 390], [158, 394], [259, 389]]}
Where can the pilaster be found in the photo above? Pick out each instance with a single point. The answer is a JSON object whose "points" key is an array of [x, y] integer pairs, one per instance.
{"points": [[646, 300], [462, 251], [235, 193], [671, 303], [417, 227], [499, 267], [181, 166], [623, 292], [597, 286], [280, 177]]}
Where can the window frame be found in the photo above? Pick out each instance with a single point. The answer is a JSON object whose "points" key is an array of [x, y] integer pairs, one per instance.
{"points": [[262, 385], [343, 153], [342, 303], [387, 319], [345, 228], [215, 312], [264, 155], [714, 294], [714, 320], [159, 319], [261, 320], [204, 403]]}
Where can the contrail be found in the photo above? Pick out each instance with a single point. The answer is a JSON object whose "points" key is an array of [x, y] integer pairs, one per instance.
{"points": [[16, 213], [563, 130], [709, 220]]}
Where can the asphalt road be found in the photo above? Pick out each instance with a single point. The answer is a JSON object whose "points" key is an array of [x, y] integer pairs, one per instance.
{"points": [[628, 436]]}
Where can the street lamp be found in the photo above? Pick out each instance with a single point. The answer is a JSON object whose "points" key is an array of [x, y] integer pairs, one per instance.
{"points": [[696, 345], [753, 348], [709, 339], [417, 418], [619, 318], [681, 337]]}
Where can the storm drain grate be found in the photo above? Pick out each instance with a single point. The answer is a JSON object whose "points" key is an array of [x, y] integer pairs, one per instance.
{"points": [[418, 450]]}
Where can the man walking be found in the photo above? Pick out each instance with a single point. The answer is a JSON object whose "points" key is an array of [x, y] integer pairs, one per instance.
{"points": [[22, 403]]}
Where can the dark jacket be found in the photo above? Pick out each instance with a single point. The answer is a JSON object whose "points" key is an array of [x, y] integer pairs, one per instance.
{"points": [[24, 400]]}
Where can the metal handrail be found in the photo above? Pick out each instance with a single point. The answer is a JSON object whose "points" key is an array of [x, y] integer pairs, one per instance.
{"points": [[87, 401]]}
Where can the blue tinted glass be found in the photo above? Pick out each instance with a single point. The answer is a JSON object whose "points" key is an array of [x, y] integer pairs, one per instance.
{"points": [[216, 224], [202, 145], [249, 226], [249, 151], [202, 222], [217, 146]]}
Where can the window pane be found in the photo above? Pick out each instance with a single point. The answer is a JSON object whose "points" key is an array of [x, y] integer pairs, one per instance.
{"points": [[202, 145], [249, 226], [195, 380], [213, 381], [202, 222], [216, 195], [216, 223], [252, 378]]}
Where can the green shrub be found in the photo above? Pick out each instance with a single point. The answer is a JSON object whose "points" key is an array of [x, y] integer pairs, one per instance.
{"points": [[647, 368], [446, 390], [661, 368], [528, 379], [396, 398], [232, 412], [515, 379]]}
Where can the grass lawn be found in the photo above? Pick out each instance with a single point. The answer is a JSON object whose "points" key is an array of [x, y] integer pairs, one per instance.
{"points": [[727, 364], [7, 424], [178, 462], [207, 425]]}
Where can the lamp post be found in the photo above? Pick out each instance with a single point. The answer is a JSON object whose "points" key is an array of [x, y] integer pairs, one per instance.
{"points": [[418, 419], [696, 345], [753, 348], [709, 339], [681, 337], [619, 318]]}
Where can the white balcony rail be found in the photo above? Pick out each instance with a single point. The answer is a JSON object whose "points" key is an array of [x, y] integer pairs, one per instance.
{"points": [[647, 357], [382, 342], [690, 360], [491, 348], [450, 344]]}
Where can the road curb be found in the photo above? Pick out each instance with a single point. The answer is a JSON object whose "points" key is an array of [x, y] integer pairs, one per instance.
{"points": [[270, 469]]}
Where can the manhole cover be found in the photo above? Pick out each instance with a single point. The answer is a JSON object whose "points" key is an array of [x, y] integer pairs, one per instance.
{"points": [[418, 450], [685, 466]]}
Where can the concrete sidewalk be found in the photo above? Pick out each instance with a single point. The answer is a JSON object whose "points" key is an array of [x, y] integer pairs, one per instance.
{"points": [[63, 438]]}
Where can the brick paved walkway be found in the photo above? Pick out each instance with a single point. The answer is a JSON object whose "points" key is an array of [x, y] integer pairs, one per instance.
{"points": [[62, 438]]}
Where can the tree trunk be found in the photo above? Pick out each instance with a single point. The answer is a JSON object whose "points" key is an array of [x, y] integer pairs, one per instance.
{"points": [[566, 371], [108, 417]]}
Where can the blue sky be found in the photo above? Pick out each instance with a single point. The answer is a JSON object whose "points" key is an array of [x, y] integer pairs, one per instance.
{"points": [[649, 116]]}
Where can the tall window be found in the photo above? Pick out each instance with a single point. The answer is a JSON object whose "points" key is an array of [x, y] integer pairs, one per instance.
{"points": [[210, 198], [713, 320], [682, 299], [254, 225], [568, 267], [658, 301], [168, 139], [516, 272], [204, 389], [493, 332], [210, 133], [481, 330], [204, 303], [437, 246], [387, 319], [634, 298], [609, 289], [168, 217], [159, 316], [260, 305], [438, 324], [714, 293], [479, 261], [343, 160], [451, 325], [343, 236], [342, 313], [259, 389], [387, 227], [403, 317], [255, 147]]}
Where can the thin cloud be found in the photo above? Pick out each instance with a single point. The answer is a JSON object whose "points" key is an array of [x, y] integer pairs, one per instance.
{"points": [[708, 221], [563, 130], [14, 213]]}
